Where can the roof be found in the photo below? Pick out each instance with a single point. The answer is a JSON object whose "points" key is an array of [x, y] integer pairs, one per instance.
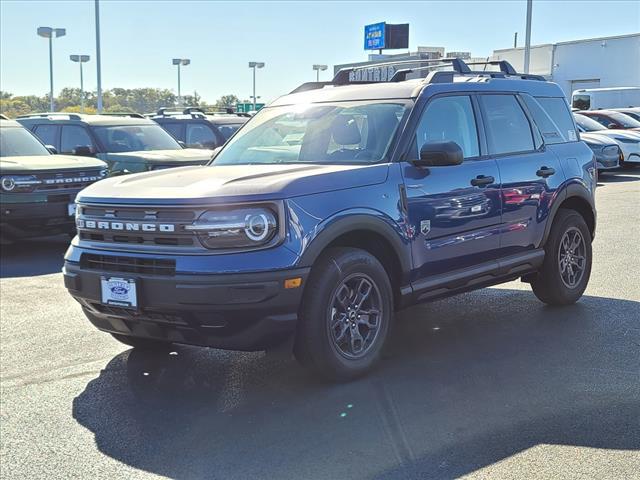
{"points": [[412, 88], [569, 42], [105, 120], [9, 123]]}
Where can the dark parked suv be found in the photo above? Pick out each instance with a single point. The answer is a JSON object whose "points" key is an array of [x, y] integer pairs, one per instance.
{"points": [[197, 129], [129, 143], [337, 205]]}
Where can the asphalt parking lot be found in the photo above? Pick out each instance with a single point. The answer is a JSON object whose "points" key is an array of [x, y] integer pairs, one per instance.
{"points": [[491, 384]]}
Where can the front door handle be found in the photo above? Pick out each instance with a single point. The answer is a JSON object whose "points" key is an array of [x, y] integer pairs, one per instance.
{"points": [[545, 172], [482, 180]]}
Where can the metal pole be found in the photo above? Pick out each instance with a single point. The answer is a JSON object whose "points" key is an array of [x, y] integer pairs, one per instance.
{"points": [[254, 88], [515, 40], [98, 57], [179, 96], [317, 75], [51, 105], [81, 89], [527, 40]]}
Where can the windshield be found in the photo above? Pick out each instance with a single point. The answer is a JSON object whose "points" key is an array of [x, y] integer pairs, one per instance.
{"points": [[341, 132], [588, 124], [135, 138], [624, 119], [18, 142]]}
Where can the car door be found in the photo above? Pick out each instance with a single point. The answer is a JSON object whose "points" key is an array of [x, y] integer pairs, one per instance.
{"points": [[453, 211], [530, 174]]}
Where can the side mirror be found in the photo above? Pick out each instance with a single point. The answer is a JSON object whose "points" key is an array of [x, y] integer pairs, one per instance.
{"points": [[182, 144], [53, 150], [439, 154], [612, 126], [83, 151]]}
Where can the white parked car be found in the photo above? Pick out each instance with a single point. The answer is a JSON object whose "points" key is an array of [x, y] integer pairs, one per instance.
{"points": [[629, 141], [598, 98]]}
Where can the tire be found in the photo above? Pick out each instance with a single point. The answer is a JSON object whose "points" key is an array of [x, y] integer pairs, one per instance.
{"points": [[331, 297], [140, 343], [550, 285]]}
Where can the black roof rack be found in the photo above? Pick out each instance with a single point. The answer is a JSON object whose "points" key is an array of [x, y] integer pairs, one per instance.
{"points": [[459, 68], [72, 116], [123, 114]]}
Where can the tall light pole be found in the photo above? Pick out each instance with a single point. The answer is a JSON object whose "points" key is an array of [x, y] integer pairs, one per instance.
{"points": [[80, 59], [318, 69], [178, 62], [98, 71], [255, 65], [527, 38], [48, 32]]}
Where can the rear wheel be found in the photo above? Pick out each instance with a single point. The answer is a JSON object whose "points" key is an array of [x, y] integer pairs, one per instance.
{"points": [[140, 343], [345, 314], [567, 263]]}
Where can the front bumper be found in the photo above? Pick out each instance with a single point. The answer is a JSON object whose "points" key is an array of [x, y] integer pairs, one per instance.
{"points": [[37, 218], [247, 311]]}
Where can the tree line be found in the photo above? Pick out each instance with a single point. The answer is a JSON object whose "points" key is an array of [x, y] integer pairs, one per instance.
{"points": [[115, 100]]}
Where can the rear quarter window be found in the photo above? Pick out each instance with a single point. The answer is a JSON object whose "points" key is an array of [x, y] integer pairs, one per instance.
{"points": [[558, 111]]}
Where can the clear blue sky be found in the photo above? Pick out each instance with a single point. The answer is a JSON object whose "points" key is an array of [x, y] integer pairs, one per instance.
{"points": [[139, 38]]}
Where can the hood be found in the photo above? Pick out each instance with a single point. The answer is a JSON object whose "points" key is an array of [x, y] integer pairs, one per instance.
{"points": [[44, 163], [617, 134], [596, 139], [186, 155], [229, 183]]}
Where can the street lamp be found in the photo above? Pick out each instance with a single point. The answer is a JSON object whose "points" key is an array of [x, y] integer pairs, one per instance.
{"points": [[48, 32], [80, 59], [178, 62], [255, 65], [318, 69]]}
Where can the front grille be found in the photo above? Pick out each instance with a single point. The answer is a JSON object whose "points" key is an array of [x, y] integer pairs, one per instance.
{"points": [[112, 263], [67, 181]]}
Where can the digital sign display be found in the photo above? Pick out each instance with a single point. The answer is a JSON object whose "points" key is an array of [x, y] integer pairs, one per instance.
{"points": [[374, 36]]}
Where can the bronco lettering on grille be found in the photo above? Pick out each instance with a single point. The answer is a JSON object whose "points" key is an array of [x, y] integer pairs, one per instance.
{"points": [[128, 226]]}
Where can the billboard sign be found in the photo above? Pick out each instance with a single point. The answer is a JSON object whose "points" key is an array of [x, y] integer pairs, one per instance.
{"points": [[374, 36]]}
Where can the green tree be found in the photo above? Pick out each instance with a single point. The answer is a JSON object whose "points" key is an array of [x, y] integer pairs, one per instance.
{"points": [[226, 101]]}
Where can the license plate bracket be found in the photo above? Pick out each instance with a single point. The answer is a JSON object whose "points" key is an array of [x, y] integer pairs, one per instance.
{"points": [[119, 291]]}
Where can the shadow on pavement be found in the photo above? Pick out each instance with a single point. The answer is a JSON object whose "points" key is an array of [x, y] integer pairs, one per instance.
{"points": [[619, 176], [464, 382], [27, 258]]}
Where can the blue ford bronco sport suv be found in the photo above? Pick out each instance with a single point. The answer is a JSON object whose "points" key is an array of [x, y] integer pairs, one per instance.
{"points": [[337, 205]]}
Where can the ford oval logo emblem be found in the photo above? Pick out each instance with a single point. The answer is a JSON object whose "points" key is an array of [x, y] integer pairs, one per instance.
{"points": [[119, 290]]}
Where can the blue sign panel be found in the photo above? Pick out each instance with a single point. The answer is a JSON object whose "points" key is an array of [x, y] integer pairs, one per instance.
{"points": [[374, 36]]}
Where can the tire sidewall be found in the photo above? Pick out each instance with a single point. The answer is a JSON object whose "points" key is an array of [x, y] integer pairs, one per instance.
{"points": [[338, 265], [552, 270]]}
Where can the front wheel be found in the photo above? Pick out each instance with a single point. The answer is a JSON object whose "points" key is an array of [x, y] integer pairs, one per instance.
{"points": [[567, 263], [345, 314]]}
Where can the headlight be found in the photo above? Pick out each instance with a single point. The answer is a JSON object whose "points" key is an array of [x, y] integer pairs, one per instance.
{"points": [[611, 150], [236, 228], [104, 172], [19, 183]]}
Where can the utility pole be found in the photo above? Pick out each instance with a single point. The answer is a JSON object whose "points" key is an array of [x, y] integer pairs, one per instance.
{"points": [[527, 39], [98, 69]]}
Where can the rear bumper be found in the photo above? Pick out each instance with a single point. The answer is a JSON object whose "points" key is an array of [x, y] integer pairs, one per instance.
{"points": [[248, 311]]}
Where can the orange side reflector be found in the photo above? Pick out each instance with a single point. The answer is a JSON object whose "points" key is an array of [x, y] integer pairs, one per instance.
{"points": [[293, 282]]}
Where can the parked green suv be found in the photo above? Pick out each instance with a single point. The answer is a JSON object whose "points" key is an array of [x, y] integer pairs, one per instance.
{"points": [[38, 189], [129, 143]]}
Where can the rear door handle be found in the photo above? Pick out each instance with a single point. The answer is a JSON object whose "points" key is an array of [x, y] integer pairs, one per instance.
{"points": [[482, 180], [545, 172]]}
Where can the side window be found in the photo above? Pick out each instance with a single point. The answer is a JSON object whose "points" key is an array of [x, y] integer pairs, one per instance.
{"points": [[74, 136], [228, 129], [508, 129], [558, 110], [607, 122], [175, 130], [449, 119], [200, 136], [48, 134]]}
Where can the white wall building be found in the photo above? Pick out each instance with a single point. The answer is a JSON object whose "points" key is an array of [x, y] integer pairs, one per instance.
{"points": [[590, 63]]}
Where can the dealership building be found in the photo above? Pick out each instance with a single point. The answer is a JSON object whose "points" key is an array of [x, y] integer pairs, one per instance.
{"points": [[590, 63]]}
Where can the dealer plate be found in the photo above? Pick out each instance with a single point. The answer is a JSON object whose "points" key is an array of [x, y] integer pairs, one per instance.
{"points": [[119, 291]]}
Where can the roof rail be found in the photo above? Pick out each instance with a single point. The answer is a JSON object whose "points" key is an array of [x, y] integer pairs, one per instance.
{"points": [[72, 116], [192, 110], [123, 114], [342, 77], [3, 117]]}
